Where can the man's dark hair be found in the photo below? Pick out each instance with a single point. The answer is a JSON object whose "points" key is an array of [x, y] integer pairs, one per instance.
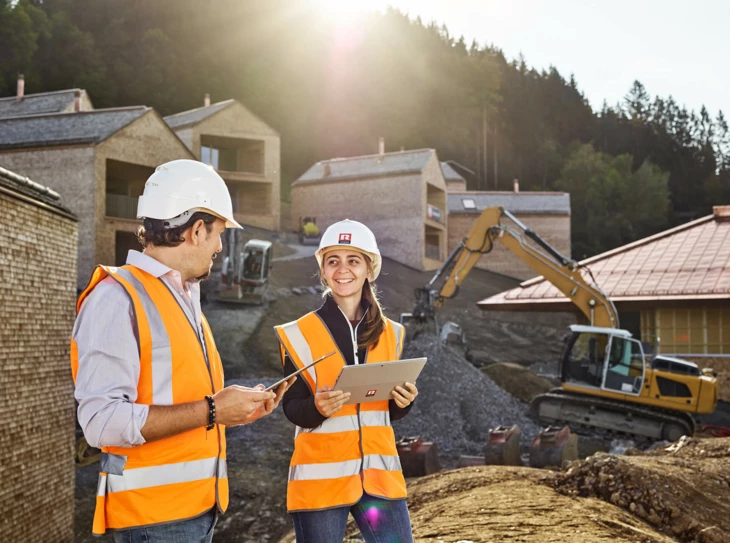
{"points": [[154, 233]]}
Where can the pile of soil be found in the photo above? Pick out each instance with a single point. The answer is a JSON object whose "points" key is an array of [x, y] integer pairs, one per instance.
{"points": [[681, 490], [519, 381]]}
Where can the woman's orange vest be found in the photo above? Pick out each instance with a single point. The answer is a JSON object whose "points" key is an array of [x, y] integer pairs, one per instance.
{"points": [[182, 476], [353, 450]]}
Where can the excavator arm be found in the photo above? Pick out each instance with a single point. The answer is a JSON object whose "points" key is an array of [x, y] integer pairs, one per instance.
{"points": [[489, 228]]}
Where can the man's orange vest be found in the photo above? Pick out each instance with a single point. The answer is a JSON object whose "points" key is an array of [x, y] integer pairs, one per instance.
{"points": [[182, 476], [353, 450]]}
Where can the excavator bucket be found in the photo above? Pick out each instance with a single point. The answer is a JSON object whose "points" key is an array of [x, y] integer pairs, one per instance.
{"points": [[553, 447], [418, 458], [503, 446]]}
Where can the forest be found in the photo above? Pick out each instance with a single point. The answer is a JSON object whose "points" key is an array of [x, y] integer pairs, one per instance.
{"points": [[332, 88]]}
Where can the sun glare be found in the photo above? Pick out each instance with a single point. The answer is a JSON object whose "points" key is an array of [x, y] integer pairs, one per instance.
{"points": [[343, 11]]}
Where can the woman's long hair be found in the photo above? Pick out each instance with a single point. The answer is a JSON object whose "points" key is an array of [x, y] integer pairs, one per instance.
{"points": [[373, 322]]}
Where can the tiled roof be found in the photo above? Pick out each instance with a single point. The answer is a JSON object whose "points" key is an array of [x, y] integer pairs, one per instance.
{"points": [[25, 187], [555, 203], [397, 163], [37, 104], [66, 128], [194, 116], [691, 261], [450, 173]]}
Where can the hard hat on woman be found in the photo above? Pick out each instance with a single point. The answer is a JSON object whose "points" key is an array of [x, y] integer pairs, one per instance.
{"points": [[181, 187], [349, 234]]}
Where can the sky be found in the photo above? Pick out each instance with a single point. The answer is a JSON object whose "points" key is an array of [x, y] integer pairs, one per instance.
{"points": [[674, 48]]}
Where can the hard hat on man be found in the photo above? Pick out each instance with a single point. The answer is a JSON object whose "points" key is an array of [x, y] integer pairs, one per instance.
{"points": [[181, 187], [349, 234]]}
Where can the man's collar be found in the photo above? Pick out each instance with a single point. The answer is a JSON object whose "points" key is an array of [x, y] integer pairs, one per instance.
{"points": [[146, 263]]}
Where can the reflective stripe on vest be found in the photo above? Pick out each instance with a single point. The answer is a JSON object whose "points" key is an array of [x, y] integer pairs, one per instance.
{"points": [[181, 476], [352, 451]]}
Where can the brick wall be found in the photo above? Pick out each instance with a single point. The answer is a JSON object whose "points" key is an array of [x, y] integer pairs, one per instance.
{"points": [[69, 171], [37, 294], [455, 186], [555, 229], [392, 207]]}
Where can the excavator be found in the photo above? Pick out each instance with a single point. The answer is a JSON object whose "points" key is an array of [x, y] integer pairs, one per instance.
{"points": [[609, 384]]}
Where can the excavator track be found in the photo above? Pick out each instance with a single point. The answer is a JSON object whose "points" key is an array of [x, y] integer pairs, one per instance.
{"points": [[611, 418]]}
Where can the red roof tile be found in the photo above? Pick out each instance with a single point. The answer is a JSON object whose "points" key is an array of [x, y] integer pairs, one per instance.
{"points": [[691, 261]]}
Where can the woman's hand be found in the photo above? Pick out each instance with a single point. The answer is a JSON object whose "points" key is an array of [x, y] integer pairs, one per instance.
{"points": [[404, 395], [328, 401]]}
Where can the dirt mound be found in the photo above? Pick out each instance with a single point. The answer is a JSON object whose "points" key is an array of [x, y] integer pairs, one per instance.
{"points": [[682, 489], [457, 403], [493, 503], [518, 380]]}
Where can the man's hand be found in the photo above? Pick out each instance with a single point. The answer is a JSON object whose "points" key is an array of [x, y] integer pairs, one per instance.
{"points": [[236, 404], [404, 395], [328, 401], [270, 405]]}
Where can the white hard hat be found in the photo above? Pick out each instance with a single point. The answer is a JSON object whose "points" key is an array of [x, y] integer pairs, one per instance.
{"points": [[349, 234], [184, 186]]}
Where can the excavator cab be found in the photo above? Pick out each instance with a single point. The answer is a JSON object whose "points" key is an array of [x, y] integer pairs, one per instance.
{"points": [[603, 358]]}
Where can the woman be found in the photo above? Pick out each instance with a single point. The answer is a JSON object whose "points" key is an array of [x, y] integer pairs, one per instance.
{"points": [[345, 459]]}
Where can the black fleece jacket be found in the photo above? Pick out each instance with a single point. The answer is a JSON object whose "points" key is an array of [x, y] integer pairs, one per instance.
{"points": [[298, 401]]}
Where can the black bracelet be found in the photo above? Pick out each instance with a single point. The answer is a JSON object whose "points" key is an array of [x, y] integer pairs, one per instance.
{"points": [[211, 413]]}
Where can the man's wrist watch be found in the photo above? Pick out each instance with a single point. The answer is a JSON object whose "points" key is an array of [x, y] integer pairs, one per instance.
{"points": [[211, 413]]}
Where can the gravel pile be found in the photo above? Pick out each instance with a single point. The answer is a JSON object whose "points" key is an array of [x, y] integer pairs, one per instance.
{"points": [[457, 404]]}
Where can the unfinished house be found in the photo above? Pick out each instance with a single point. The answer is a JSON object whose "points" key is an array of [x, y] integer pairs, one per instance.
{"points": [[401, 196], [243, 149], [38, 278], [674, 286], [547, 213], [98, 160]]}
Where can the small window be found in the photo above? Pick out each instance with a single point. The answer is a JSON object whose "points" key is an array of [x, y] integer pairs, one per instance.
{"points": [[469, 203], [668, 387]]}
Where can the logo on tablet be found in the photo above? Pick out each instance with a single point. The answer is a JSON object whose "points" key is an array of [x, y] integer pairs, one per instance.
{"points": [[346, 238], [370, 393]]}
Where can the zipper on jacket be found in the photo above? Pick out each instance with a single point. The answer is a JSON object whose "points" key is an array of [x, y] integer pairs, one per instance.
{"points": [[353, 334]]}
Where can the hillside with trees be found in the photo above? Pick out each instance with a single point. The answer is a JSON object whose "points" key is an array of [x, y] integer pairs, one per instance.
{"points": [[331, 90]]}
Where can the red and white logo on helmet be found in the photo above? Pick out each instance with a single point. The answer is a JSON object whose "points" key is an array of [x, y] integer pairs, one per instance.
{"points": [[345, 238]]}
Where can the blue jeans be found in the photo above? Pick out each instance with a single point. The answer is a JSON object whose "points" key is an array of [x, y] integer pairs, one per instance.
{"points": [[379, 520], [194, 530]]}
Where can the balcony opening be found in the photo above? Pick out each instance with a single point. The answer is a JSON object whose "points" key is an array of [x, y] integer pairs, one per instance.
{"points": [[233, 154], [124, 185], [433, 243], [436, 204]]}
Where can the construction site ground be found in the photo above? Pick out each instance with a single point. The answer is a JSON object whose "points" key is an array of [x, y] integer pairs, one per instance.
{"points": [[651, 496]]}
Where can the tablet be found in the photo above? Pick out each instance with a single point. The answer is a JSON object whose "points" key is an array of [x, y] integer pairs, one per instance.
{"points": [[272, 387], [375, 381]]}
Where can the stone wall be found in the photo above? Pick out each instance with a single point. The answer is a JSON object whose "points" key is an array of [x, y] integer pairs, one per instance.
{"points": [[37, 294], [555, 229]]}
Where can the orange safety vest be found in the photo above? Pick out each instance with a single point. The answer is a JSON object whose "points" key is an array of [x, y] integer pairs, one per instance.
{"points": [[353, 450], [182, 476]]}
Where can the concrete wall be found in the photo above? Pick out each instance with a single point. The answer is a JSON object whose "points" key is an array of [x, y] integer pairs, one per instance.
{"points": [[148, 142], [37, 295], [386, 205], [70, 172], [555, 229], [236, 121]]}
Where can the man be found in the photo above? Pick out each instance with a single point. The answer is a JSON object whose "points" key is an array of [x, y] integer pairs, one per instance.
{"points": [[148, 376]]}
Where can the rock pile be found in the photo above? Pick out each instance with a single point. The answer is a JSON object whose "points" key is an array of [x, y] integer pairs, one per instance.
{"points": [[671, 498], [457, 403]]}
